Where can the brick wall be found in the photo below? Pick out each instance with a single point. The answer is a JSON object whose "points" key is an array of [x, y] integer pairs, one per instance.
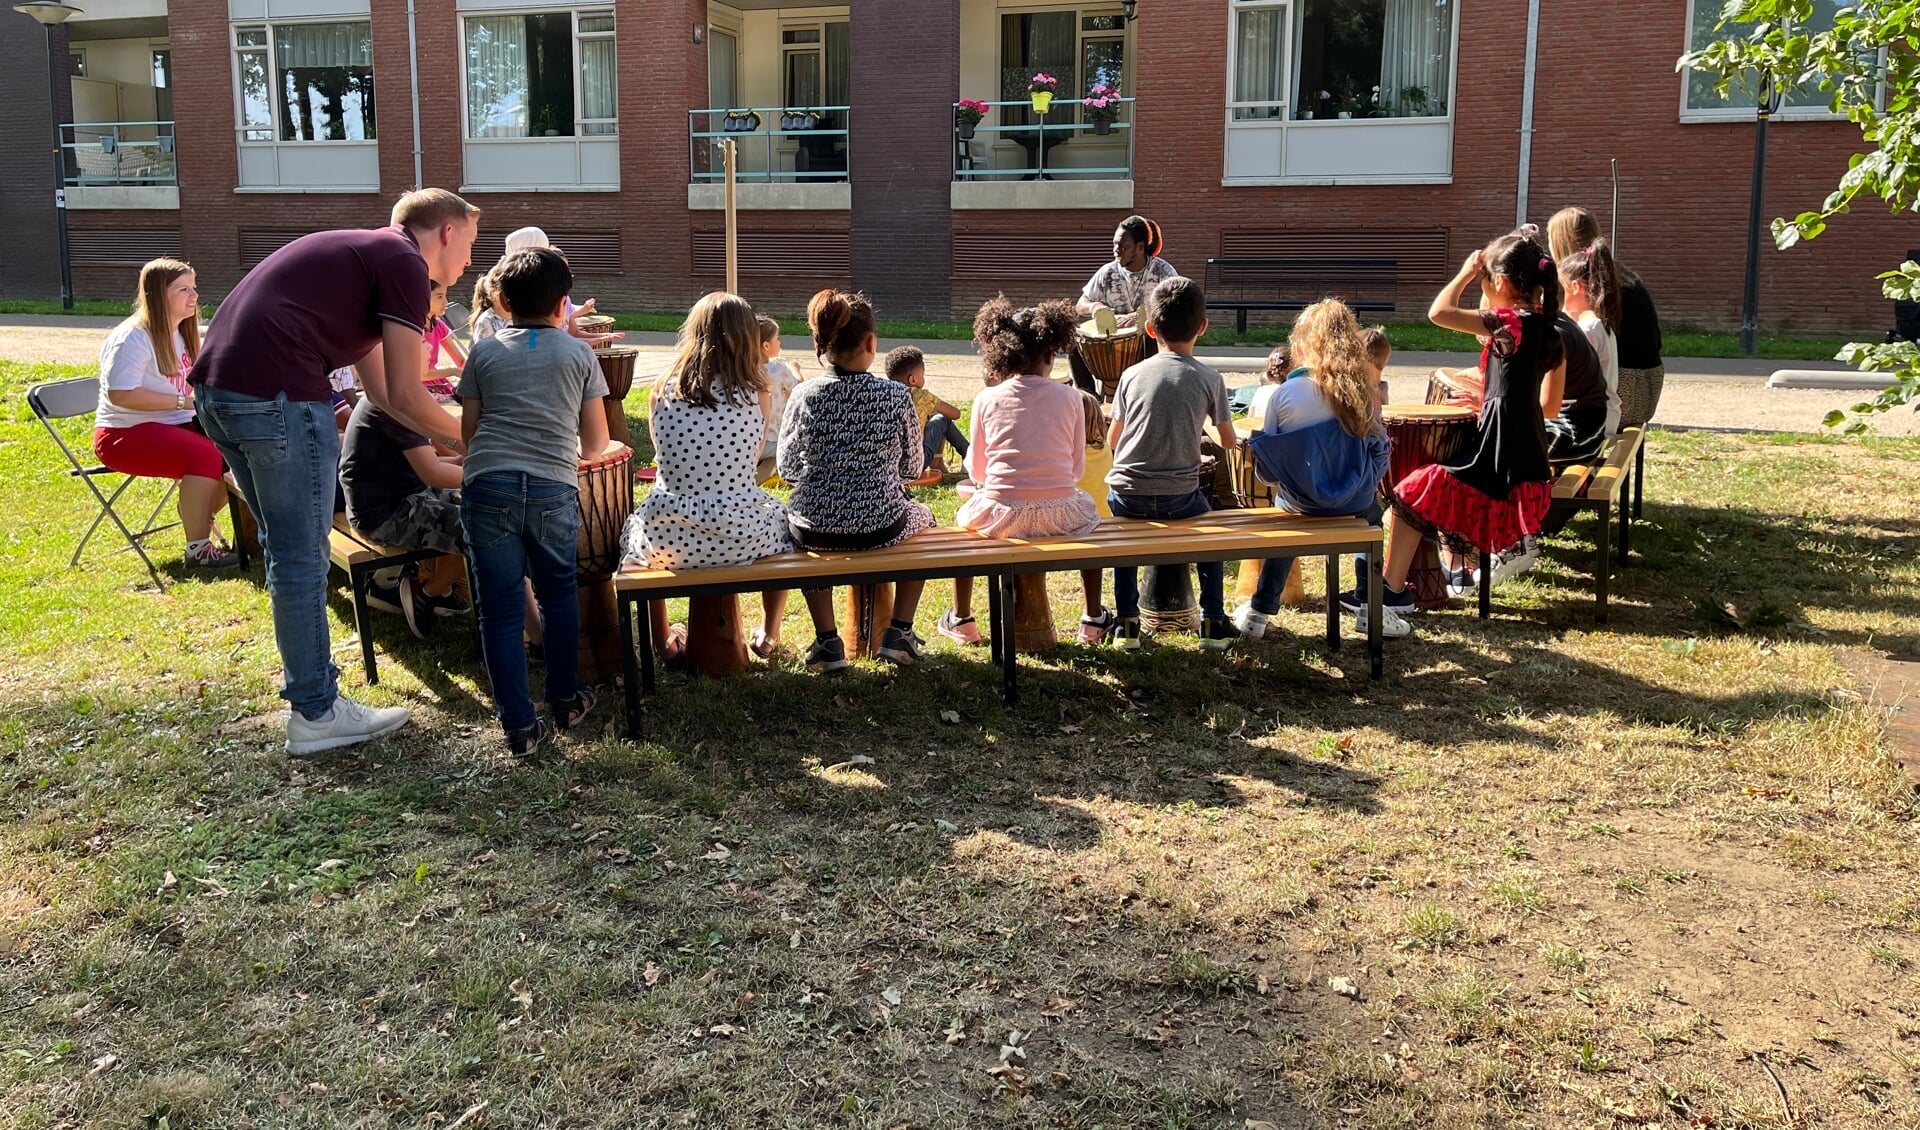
{"points": [[29, 243]]}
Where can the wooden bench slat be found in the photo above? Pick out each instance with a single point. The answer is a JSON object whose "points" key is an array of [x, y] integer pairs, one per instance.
{"points": [[1572, 481]]}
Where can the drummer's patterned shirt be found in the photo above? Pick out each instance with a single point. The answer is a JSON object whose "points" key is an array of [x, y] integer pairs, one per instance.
{"points": [[1126, 291]]}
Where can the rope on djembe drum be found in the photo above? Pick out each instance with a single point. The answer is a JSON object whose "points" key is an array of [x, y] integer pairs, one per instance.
{"points": [[606, 498]]}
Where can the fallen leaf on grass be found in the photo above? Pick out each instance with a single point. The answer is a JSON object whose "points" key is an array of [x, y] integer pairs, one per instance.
{"points": [[1263, 986], [724, 1031], [720, 854], [1058, 1007], [1257, 1124], [522, 995], [102, 1065], [1345, 987], [327, 865], [891, 995], [956, 1032], [950, 717], [168, 882]]}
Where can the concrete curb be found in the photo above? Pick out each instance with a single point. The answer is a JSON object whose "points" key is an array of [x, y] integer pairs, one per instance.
{"points": [[1843, 380]]}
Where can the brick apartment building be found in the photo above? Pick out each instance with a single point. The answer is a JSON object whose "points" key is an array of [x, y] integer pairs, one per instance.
{"points": [[220, 129]]}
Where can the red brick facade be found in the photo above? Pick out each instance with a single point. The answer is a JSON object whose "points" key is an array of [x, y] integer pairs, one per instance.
{"points": [[1605, 89]]}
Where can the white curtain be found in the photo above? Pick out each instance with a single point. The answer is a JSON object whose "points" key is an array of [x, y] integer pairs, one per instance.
{"points": [[1260, 65], [326, 81], [497, 76], [597, 84], [1416, 53]]}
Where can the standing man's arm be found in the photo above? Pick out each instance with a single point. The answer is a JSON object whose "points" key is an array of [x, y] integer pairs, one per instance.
{"points": [[391, 376]]}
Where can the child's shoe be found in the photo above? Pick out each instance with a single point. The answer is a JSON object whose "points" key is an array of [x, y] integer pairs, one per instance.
{"points": [[1355, 600], [530, 742], [1094, 629], [1252, 625], [1126, 633], [828, 654], [1392, 625], [1217, 635], [900, 645], [960, 631]]}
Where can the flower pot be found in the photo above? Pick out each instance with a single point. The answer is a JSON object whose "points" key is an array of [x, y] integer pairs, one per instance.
{"points": [[1042, 99], [1346, 113], [966, 130], [1103, 127], [1306, 115]]}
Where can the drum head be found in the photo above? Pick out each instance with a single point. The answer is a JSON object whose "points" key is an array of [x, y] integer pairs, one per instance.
{"points": [[1426, 413]]}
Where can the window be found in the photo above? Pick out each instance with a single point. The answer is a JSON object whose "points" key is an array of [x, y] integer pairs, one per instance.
{"points": [[1703, 103], [542, 74], [163, 85], [814, 67], [77, 64], [1077, 49], [1356, 59], [315, 82]]}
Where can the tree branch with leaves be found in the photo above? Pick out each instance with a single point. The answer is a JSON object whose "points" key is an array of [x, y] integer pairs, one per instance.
{"points": [[1868, 67]]}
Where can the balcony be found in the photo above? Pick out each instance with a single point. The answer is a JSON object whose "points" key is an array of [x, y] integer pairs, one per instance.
{"points": [[1060, 159], [121, 165], [785, 158]]}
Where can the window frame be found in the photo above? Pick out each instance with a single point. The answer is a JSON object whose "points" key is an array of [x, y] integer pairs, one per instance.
{"points": [[1129, 44], [274, 93], [1788, 112], [577, 12], [1290, 121]]}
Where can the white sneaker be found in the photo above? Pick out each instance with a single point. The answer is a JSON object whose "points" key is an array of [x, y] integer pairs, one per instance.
{"points": [[1392, 624], [1506, 567], [1252, 625], [348, 723]]}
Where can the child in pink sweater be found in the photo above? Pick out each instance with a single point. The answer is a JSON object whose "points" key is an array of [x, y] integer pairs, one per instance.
{"points": [[1029, 444]]}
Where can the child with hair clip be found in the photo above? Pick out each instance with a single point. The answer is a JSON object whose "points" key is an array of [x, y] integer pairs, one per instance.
{"points": [[1499, 493], [1320, 444], [1592, 284], [489, 314], [439, 337], [708, 426], [849, 444], [1379, 352], [1029, 448]]}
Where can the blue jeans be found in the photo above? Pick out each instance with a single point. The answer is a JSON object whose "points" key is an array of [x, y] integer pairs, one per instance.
{"points": [[285, 454], [1126, 579], [518, 527], [942, 430], [1273, 571]]}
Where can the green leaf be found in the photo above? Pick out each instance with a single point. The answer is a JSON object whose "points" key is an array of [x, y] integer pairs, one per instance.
{"points": [[1834, 419]]}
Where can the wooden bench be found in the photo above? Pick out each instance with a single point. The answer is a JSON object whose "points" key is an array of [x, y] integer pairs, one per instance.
{"points": [[1601, 486], [1220, 536], [359, 558], [1243, 284]]}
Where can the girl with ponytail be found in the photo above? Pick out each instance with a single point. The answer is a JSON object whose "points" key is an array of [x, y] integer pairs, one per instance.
{"points": [[1499, 493], [1592, 284], [1123, 286], [848, 445]]}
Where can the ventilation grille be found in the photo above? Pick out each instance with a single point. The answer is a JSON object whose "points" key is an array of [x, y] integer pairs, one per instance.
{"points": [[1422, 254], [122, 247], [595, 252], [826, 254], [1021, 255], [258, 243]]}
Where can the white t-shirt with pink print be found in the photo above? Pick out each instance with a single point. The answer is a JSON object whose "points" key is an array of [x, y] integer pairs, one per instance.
{"points": [[127, 361]]}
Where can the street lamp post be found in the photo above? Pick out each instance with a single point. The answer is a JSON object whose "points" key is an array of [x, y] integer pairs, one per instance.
{"points": [[1750, 300], [51, 15]]}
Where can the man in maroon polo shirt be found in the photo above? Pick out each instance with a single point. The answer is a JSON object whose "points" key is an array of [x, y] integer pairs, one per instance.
{"points": [[324, 301]]}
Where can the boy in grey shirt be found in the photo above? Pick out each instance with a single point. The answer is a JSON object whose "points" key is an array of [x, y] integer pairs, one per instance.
{"points": [[1160, 410], [528, 396]]}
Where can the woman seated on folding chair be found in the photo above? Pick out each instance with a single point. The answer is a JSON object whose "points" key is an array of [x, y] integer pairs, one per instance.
{"points": [[144, 425]]}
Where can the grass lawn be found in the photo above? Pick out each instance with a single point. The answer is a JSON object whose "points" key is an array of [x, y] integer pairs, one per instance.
{"points": [[1539, 875]]}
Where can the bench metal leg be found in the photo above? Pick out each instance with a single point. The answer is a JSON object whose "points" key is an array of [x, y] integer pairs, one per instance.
{"points": [[1333, 602], [646, 646], [1376, 590], [1009, 662], [996, 630], [358, 577], [1626, 529], [1639, 472], [1240, 320], [629, 668], [1602, 561], [1486, 585]]}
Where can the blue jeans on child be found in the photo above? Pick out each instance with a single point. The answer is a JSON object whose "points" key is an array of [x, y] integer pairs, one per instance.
{"points": [[1273, 571], [941, 430], [1126, 579], [520, 526], [285, 454]]}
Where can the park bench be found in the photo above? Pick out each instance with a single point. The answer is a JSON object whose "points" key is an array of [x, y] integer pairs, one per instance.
{"points": [[359, 559], [947, 552], [1599, 485], [1366, 285]]}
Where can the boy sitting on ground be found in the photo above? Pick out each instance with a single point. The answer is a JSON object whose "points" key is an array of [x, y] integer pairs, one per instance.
{"points": [[939, 425]]}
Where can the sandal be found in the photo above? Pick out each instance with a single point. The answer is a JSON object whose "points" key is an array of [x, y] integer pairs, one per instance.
{"points": [[675, 649], [762, 646], [569, 714], [528, 743]]}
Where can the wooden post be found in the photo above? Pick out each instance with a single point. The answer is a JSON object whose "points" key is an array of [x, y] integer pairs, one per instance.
{"points": [[733, 225]]}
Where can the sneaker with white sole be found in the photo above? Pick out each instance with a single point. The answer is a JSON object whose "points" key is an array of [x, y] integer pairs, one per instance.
{"points": [[385, 597], [960, 630], [1126, 633], [1095, 629], [901, 645], [1463, 582], [1252, 625], [1508, 566], [829, 654], [212, 555], [1392, 625], [348, 723], [1355, 600], [1218, 635]]}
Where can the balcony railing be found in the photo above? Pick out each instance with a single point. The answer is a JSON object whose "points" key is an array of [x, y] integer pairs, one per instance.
{"points": [[1040, 138], [808, 144], [119, 153]]}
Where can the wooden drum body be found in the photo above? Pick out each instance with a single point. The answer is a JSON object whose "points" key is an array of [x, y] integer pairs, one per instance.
{"points": [[1422, 435], [616, 365], [1167, 602], [1107, 357], [606, 498]]}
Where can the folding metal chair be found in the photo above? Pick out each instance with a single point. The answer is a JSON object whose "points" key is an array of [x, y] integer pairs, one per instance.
{"points": [[79, 396]]}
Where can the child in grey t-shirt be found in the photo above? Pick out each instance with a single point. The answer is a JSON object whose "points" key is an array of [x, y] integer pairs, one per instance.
{"points": [[1160, 409], [528, 395]]}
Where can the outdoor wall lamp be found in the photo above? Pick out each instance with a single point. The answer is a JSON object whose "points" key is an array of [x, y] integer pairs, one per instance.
{"points": [[1130, 9]]}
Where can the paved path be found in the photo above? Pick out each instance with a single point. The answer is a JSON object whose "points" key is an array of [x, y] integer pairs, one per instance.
{"points": [[1700, 392]]}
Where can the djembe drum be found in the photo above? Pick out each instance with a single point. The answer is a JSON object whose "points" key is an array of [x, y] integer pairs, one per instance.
{"points": [[606, 498], [1421, 435], [866, 613], [1255, 494], [1107, 357], [616, 365], [1033, 630]]}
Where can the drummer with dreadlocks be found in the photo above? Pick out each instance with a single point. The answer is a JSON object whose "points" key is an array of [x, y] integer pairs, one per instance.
{"points": [[1122, 286]]}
